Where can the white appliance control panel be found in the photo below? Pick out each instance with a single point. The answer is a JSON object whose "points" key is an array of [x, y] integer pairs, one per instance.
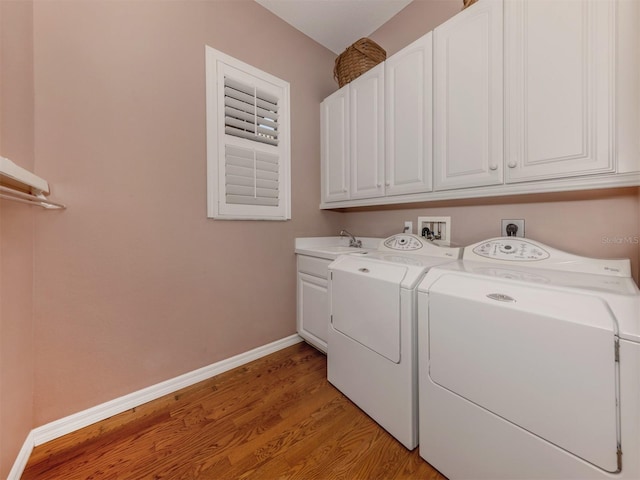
{"points": [[511, 250], [403, 242], [409, 243], [518, 251]]}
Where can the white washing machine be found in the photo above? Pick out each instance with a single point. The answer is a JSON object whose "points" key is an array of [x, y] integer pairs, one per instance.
{"points": [[371, 348], [530, 365]]}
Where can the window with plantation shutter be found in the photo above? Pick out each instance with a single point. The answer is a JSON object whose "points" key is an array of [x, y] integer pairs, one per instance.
{"points": [[248, 146]]}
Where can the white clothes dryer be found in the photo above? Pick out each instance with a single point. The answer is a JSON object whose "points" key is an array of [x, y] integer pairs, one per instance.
{"points": [[530, 365], [371, 348]]}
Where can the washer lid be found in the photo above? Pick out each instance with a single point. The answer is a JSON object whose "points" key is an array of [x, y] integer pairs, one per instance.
{"points": [[415, 265], [620, 294]]}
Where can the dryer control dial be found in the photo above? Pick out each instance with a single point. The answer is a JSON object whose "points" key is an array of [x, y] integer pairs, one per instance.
{"points": [[403, 242], [511, 249]]}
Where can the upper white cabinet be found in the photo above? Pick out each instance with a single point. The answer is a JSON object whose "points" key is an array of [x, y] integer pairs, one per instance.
{"points": [[468, 98], [507, 97], [377, 131], [334, 148], [366, 133], [408, 106], [559, 88], [352, 139]]}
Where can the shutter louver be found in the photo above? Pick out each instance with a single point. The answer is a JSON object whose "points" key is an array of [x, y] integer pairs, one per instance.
{"points": [[250, 112], [251, 177]]}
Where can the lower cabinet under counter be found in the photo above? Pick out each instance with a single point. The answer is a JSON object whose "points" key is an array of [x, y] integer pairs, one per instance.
{"points": [[312, 315]]}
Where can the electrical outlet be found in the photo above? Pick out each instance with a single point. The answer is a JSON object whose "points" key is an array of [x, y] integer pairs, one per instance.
{"points": [[437, 229], [519, 225], [408, 227]]}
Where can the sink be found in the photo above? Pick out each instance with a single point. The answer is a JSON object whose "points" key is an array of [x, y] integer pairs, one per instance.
{"points": [[331, 248]]}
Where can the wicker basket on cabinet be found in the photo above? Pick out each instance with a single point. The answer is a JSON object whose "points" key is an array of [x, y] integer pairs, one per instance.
{"points": [[361, 56]]}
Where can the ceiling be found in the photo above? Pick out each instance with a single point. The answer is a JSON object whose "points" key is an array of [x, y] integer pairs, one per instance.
{"points": [[336, 24]]}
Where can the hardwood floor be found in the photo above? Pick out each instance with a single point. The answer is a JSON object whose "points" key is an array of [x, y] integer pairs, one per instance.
{"points": [[277, 417]]}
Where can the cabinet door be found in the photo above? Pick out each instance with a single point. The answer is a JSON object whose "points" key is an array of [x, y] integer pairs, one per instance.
{"points": [[409, 111], [559, 71], [313, 310], [334, 146], [468, 91], [366, 131]]}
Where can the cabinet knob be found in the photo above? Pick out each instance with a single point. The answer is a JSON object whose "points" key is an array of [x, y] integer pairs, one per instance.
{"points": [[388, 184], [344, 190], [493, 167], [379, 185], [512, 164]]}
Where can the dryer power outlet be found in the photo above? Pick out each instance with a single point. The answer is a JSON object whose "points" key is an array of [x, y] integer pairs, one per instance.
{"points": [[508, 228]]}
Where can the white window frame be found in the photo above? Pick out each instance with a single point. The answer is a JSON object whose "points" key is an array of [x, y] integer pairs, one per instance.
{"points": [[217, 64]]}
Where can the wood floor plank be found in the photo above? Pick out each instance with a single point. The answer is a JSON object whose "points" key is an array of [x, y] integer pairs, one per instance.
{"points": [[275, 418]]}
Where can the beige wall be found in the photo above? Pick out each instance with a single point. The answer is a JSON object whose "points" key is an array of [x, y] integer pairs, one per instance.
{"points": [[16, 233], [413, 21], [134, 285]]}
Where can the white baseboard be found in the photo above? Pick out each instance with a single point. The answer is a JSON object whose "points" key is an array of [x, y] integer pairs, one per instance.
{"points": [[22, 458], [82, 419]]}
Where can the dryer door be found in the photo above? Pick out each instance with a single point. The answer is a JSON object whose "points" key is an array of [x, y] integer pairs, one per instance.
{"points": [[540, 358], [365, 303]]}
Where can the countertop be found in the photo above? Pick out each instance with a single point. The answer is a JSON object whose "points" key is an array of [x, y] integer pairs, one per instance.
{"points": [[331, 247]]}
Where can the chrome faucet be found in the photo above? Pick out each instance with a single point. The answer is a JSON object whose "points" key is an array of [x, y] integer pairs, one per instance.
{"points": [[352, 240]]}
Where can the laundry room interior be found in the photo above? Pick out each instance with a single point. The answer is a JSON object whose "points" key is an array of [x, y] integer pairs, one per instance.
{"points": [[133, 283]]}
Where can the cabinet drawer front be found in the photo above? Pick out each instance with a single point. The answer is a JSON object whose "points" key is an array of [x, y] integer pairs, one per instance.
{"points": [[313, 266]]}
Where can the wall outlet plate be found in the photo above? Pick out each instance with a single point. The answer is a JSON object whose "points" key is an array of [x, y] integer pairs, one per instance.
{"points": [[408, 227], [518, 223]]}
